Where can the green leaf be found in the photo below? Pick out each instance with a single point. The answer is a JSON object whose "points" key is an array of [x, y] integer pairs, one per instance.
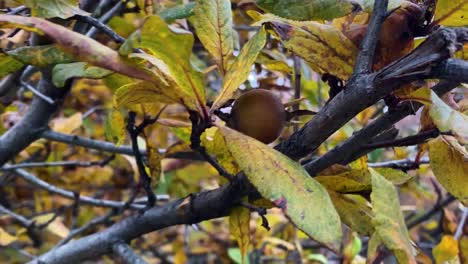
{"points": [[323, 47], [288, 185], [8, 65], [62, 72], [236, 256], [452, 13], [78, 46], [239, 227], [240, 68], [213, 24], [177, 12], [54, 8], [307, 9], [449, 163], [40, 56], [169, 51], [388, 222], [352, 248]]}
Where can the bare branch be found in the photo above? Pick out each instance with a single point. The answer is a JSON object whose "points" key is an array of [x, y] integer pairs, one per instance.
{"points": [[72, 163], [412, 223], [91, 224], [105, 18], [190, 210], [88, 143], [404, 164], [102, 27], [365, 58], [34, 122], [23, 221], [69, 194]]}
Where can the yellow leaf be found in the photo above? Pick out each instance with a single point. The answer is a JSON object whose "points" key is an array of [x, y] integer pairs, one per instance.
{"points": [[215, 144], [240, 68], [68, 125], [136, 93], [451, 13], [239, 227], [213, 23], [446, 250], [354, 212], [463, 247], [388, 222], [168, 51], [287, 184], [360, 179], [323, 47], [449, 162], [6, 238], [56, 227], [154, 162]]}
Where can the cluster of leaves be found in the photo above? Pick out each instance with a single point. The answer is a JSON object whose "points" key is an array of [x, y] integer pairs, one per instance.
{"points": [[160, 67]]}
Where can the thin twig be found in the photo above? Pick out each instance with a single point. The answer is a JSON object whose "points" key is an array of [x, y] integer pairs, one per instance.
{"points": [[261, 212], [37, 93], [349, 149], [69, 194], [406, 141], [403, 164], [105, 18], [297, 86], [412, 223], [461, 224], [198, 127], [73, 163], [91, 224], [14, 11], [97, 24], [368, 45], [23, 221], [144, 179], [89, 143]]}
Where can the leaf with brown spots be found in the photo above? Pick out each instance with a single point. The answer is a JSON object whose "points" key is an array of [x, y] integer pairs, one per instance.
{"points": [[388, 222], [323, 47], [287, 184]]}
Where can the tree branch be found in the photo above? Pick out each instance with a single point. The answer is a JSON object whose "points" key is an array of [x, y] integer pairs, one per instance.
{"points": [[69, 194], [71, 163], [125, 252], [88, 143], [34, 122], [365, 90], [189, 210], [352, 148], [368, 45]]}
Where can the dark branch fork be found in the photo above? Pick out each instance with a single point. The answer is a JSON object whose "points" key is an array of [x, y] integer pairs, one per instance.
{"points": [[430, 60]]}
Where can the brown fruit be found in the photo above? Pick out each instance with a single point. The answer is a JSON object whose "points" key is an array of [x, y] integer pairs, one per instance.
{"points": [[259, 114]]}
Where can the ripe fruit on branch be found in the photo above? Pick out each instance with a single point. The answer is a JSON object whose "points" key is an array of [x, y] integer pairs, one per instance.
{"points": [[259, 114]]}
